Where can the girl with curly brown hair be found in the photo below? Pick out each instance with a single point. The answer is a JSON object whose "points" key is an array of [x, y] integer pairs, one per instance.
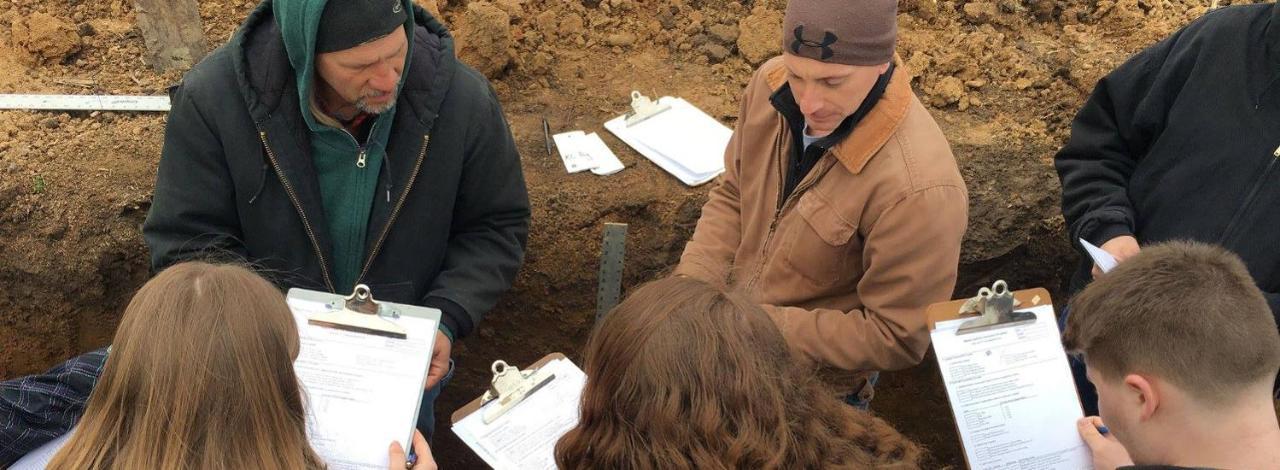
{"points": [[684, 376]]}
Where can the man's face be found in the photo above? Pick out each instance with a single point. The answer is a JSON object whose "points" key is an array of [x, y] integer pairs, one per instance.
{"points": [[828, 93], [366, 75]]}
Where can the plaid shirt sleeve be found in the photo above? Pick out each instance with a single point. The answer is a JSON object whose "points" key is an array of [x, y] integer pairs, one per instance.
{"points": [[39, 408]]}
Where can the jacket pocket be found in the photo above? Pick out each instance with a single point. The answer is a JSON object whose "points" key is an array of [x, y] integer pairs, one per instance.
{"points": [[818, 246]]}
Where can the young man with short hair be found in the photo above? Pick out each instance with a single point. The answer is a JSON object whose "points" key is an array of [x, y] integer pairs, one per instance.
{"points": [[1183, 349], [841, 209]]}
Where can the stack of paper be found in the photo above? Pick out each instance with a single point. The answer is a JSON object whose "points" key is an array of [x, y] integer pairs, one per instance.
{"points": [[581, 151], [362, 390], [1012, 394], [682, 140], [524, 438]]}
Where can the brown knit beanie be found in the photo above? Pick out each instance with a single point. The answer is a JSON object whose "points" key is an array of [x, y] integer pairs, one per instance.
{"points": [[851, 32]]}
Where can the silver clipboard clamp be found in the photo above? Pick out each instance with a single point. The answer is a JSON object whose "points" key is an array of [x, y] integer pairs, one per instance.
{"points": [[359, 312], [995, 308], [642, 107], [509, 387]]}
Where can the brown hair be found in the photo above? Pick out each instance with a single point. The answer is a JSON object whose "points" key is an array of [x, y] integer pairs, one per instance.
{"points": [[200, 375], [1186, 312], [682, 376]]}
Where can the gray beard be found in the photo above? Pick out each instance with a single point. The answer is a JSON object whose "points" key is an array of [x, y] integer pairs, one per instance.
{"points": [[365, 107]]}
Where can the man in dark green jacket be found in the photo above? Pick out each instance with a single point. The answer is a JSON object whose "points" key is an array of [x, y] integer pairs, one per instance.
{"points": [[332, 145], [342, 143]]}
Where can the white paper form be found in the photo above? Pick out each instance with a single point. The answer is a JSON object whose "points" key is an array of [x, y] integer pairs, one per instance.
{"points": [[1104, 260], [581, 151], [524, 438], [1012, 393], [575, 160], [362, 390]]}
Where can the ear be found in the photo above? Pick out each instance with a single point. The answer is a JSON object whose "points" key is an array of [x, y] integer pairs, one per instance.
{"points": [[1146, 394], [883, 68]]}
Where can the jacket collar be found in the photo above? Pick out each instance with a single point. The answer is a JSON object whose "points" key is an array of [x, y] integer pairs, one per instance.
{"points": [[875, 129]]}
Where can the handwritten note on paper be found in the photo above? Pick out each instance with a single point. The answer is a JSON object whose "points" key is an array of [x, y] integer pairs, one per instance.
{"points": [[1011, 390], [524, 437], [362, 391]]}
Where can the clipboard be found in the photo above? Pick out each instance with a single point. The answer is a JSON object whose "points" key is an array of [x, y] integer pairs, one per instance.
{"points": [[675, 135], [952, 310], [531, 385], [517, 423], [400, 327], [1002, 309]]}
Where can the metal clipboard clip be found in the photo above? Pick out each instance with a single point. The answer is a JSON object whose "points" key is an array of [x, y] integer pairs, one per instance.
{"points": [[995, 306], [360, 313], [643, 108], [510, 386]]}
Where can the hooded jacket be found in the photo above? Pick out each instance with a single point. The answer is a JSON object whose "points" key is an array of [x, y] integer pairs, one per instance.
{"points": [[347, 168], [242, 173], [847, 263], [1180, 142]]}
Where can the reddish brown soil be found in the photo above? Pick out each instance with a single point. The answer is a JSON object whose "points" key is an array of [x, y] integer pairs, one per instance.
{"points": [[1002, 78]]}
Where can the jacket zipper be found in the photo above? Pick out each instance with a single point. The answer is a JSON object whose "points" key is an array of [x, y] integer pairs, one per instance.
{"points": [[362, 156], [1248, 200], [293, 197], [386, 230], [784, 203]]}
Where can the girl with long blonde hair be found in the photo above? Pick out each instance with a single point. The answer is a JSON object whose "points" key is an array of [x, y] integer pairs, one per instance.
{"points": [[200, 375]]}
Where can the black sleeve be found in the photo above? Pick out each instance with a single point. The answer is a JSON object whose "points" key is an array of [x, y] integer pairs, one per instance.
{"points": [[39, 408], [1112, 132], [193, 213], [490, 226]]}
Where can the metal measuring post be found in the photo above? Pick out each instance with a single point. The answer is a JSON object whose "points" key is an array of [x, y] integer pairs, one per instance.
{"points": [[612, 254]]}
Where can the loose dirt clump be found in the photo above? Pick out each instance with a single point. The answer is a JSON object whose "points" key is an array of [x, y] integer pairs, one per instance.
{"points": [[761, 35], [44, 38], [1002, 78], [484, 38]]}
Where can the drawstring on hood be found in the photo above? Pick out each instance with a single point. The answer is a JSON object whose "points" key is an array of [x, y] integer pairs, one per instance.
{"points": [[262, 181]]}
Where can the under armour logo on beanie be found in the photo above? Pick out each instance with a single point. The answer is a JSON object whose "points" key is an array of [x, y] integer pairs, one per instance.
{"points": [[851, 32], [828, 40], [345, 24]]}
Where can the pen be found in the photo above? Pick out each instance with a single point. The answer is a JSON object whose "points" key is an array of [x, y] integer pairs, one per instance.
{"points": [[546, 134]]}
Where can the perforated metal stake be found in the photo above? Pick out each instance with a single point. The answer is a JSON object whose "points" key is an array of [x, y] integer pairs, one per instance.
{"points": [[612, 255]]}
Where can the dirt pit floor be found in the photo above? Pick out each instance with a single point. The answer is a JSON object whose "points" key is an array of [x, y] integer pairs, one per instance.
{"points": [[1002, 78]]}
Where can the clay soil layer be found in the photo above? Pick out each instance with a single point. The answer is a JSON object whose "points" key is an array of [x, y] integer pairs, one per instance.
{"points": [[1002, 78]]}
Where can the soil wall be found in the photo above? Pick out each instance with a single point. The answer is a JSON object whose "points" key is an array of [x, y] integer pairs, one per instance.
{"points": [[1002, 78]]}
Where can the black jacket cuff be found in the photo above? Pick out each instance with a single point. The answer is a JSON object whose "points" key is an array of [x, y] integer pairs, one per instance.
{"points": [[453, 319], [1105, 233]]}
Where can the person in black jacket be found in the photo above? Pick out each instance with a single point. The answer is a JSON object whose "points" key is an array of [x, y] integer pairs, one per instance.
{"points": [[1180, 142], [338, 143]]}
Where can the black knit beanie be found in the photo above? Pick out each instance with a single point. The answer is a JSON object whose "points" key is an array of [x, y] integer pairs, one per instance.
{"points": [[345, 24]]}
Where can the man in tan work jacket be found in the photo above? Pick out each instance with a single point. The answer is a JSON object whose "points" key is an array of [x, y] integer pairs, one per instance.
{"points": [[841, 209]]}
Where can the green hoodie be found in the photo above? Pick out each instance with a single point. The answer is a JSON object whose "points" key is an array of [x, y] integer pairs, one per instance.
{"points": [[346, 190]]}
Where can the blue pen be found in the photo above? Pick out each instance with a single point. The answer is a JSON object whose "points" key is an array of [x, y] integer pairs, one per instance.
{"points": [[1103, 430]]}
